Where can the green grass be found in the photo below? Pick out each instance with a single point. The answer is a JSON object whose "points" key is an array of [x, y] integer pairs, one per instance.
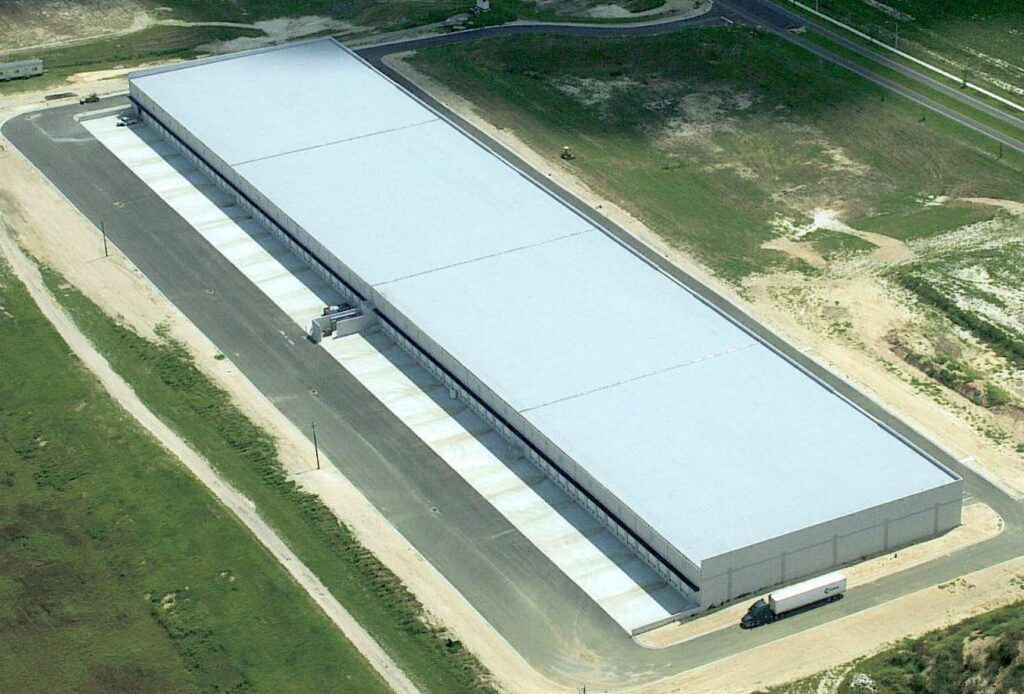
{"points": [[834, 244], [167, 380], [981, 654], [927, 221], [118, 570], [711, 134], [156, 43]]}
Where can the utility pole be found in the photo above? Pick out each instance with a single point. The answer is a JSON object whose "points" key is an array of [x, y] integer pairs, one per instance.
{"points": [[316, 447], [103, 230]]}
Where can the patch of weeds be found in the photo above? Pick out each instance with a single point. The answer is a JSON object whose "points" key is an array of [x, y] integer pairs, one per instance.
{"points": [[840, 328]]}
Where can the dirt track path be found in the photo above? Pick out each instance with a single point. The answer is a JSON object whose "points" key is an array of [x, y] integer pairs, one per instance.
{"points": [[235, 501]]}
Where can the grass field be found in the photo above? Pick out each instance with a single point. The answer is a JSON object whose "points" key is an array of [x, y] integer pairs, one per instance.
{"points": [[718, 139], [118, 570], [166, 379], [922, 222], [980, 41], [982, 654]]}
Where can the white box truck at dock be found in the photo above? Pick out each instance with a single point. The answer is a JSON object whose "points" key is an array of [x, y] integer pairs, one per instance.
{"points": [[781, 603]]}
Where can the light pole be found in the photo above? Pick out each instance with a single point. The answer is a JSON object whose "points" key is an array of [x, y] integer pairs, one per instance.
{"points": [[103, 230], [316, 448]]}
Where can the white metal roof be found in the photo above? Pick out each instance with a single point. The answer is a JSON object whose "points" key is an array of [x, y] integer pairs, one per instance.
{"points": [[713, 439], [410, 201], [270, 102], [31, 62]]}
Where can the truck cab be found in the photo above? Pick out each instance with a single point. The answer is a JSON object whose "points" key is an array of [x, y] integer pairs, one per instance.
{"points": [[758, 614]]}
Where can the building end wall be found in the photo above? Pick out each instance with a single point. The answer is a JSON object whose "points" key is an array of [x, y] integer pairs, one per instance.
{"points": [[831, 545]]}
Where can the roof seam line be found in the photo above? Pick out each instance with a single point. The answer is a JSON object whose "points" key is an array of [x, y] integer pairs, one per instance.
{"points": [[485, 257], [707, 357], [334, 142]]}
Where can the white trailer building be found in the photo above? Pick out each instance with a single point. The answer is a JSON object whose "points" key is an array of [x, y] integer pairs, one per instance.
{"points": [[720, 462], [20, 69]]}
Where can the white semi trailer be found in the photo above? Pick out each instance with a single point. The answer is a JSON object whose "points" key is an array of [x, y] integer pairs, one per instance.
{"points": [[783, 602]]}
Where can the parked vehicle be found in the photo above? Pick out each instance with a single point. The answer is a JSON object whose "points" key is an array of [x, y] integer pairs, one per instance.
{"points": [[785, 601]]}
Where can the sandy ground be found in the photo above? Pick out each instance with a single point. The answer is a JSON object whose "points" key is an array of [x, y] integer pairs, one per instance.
{"points": [[980, 523], [797, 249], [888, 251], [234, 500], [676, 7], [276, 31]]}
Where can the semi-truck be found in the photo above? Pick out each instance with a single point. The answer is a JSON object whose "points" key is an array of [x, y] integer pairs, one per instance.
{"points": [[785, 601]]}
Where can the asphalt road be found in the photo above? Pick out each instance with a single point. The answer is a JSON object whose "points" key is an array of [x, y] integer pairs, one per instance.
{"points": [[784, 16], [539, 611], [783, 22]]}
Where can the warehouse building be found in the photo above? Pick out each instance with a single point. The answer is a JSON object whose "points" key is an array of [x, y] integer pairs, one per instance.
{"points": [[720, 462]]}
